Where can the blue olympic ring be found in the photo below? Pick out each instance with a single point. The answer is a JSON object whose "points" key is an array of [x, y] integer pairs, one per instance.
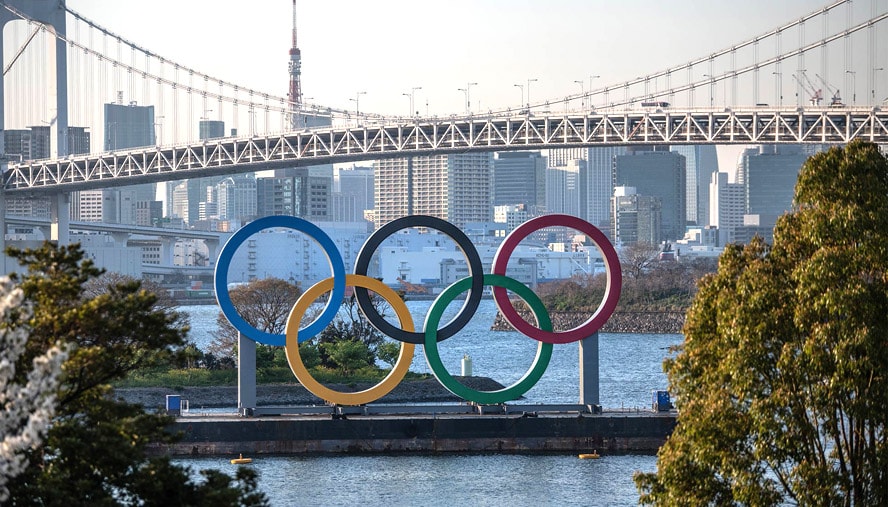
{"points": [[297, 224]]}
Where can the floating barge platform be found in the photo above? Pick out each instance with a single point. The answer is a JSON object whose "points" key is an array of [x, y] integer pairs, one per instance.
{"points": [[426, 429]]}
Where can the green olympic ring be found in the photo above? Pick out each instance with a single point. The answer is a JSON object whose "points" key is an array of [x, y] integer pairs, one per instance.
{"points": [[533, 375]]}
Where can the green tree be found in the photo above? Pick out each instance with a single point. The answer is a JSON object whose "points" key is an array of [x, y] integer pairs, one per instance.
{"points": [[348, 355], [351, 326], [96, 450], [388, 352], [782, 380]]}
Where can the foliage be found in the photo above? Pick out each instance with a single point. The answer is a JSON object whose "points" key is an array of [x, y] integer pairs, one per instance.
{"points": [[264, 304], [202, 377], [347, 344], [27, 399], [388, 352], [348, 355], [782, 380], [636, 259], [664, 285], [95, 450]]}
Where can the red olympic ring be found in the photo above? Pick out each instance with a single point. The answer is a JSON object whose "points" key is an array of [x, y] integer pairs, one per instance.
{"points": [[612, 269]]}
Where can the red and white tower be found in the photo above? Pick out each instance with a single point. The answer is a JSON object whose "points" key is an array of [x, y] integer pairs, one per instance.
{"points": [[297, 121]]}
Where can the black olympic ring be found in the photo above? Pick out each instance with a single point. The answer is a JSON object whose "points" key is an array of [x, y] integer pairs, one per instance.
{"points": [[476, 272]]}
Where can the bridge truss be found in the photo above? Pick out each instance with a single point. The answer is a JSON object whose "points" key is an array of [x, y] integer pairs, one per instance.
{"points": [[337, 145]]}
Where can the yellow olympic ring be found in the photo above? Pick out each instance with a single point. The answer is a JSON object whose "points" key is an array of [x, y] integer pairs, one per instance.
{"points": [[361, 397]]}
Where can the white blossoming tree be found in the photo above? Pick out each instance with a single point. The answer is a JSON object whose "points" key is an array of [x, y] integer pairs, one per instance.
{"points": [[27, 402]]}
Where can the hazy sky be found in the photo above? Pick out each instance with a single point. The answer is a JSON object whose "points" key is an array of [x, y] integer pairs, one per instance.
{"points": [[386, 48]]}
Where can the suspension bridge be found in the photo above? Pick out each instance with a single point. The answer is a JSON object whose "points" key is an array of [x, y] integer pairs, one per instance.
{"points": [[838, 46]]}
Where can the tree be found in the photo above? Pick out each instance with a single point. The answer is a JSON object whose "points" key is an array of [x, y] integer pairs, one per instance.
{"points": [[388, 352], [95, 451], [26, 405], [348, 355], [637, 258], [782, 380], [264, 304], [350, 326]]}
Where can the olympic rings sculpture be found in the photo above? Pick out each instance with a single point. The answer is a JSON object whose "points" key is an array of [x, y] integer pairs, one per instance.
{"points": [[430, 335]]}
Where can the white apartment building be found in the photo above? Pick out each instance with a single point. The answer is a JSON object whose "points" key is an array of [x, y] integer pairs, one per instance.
{"points": [[454, 187], [727, 205]]}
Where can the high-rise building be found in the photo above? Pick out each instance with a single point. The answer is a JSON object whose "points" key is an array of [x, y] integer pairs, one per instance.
{"points": [[520, 178], [352, 193], [769, 178], [305, 192], [636, 218], [657, 173], [563, 187], [701, 161], [119, 206], [179, 201], [210, 129], [128, 126], [560, 157], [88, 206], [197, 188], [148, 213], [727, 204], [275, 196], [597, 187], [18, 144], [512, 215], [741, 164], [237, 198], [453, 187], [125, 126]]}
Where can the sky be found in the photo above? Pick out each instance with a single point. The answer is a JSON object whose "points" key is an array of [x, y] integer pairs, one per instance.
{"points": [[384, 49]]}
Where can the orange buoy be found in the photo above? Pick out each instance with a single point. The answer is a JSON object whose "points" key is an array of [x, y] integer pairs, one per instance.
{"points": [[241, 460]]}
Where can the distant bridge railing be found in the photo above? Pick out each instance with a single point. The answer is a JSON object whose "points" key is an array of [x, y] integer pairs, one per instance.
{"points": [[759, 125]]}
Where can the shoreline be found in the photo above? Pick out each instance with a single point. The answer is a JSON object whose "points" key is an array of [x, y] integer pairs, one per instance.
{"points": [[638, 322], [413, 391]]}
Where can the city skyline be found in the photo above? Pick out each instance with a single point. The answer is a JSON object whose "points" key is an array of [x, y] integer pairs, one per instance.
{"points": [[516, 50]]}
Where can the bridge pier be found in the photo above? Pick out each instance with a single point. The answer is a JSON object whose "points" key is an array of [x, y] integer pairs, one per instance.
{"points": [[166, 251], [120, 238], [212, 251], [60, 218]]}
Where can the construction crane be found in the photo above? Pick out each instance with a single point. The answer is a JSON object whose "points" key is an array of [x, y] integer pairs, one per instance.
{"points": [[815, 95], [836, 100]]}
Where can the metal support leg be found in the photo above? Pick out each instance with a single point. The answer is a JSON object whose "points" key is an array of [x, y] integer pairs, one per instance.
{"points": [[589, 371], [246, 375]]}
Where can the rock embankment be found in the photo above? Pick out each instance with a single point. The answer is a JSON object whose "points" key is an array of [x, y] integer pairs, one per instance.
{"points": [[620, 322], [408, 391]]}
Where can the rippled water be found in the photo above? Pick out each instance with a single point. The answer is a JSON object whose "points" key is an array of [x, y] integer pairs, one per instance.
{"points": [[630, 368], [452, 480]]}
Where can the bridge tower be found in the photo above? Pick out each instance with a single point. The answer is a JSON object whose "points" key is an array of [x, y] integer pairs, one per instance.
{"points": [[294, 96], [52, 14]]}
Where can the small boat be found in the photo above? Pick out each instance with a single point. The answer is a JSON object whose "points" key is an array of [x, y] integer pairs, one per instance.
{"points": [[591, 455], [241, 460]]}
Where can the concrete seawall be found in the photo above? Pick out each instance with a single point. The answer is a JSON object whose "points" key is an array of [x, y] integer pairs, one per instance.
{"points": [[519, 432]]}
